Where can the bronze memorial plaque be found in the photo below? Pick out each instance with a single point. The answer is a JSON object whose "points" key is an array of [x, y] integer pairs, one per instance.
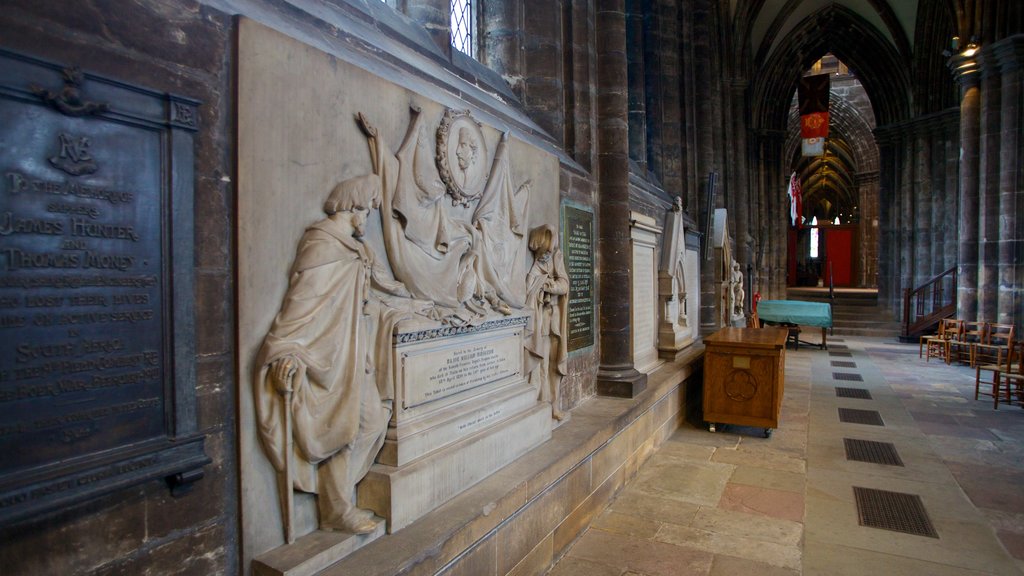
{"points": [[578, 247], [97, 370]]}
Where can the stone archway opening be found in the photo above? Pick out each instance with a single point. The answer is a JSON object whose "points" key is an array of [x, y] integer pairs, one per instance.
{"points": [[836, 243]]}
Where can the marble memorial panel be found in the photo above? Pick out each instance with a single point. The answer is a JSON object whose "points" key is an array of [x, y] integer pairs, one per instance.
{"points": [[645, 297]]}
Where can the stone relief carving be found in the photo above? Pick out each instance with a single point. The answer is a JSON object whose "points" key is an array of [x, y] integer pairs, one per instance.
{"points": [[323, 385], [461, 156], [547, 293], [324, 382], [465, 266]]}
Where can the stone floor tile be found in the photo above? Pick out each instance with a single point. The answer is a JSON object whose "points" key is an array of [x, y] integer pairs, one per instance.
{"points": [[774, 479], [654, 508], [761, 457], [749, 525], [571, 566], [764, 501], [684, 481], [644, 556], [627, 524], [732, 566], [986, 486], [679, 449], [822, 559], [772, 553]]}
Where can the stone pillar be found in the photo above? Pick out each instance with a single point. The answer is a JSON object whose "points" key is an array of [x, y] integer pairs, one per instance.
{"points": [[740, 207], [636, 78], [501, 39], [888, 286], [616, 375], [965, 70], [951, 198], [988, 189], [867, 227], [664, 106], [921, 224], [1009, 54]]}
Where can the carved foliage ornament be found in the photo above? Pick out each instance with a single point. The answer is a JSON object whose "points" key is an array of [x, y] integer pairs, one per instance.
{"points": [[461, 156]]}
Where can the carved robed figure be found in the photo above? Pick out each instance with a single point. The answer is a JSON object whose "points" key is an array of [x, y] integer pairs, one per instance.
{"points": [[322, 410], [547, 287]]}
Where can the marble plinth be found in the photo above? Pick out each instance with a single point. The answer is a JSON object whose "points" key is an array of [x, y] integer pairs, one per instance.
{"points": [[403, 494], [451, 383]]}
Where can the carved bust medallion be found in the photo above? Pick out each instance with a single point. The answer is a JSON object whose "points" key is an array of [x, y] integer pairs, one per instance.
{"points": [[461, 156]]}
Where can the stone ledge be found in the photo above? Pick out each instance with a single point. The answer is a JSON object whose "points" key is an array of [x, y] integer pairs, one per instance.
{"points": [[503, 504]]}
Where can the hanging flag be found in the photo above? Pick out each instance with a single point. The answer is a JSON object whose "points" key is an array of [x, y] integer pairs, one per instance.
{"points": [[796, 201], [812, 146], [812, 94], [813, 98]]}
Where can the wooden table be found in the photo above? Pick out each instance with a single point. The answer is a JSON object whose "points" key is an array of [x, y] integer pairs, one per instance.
{"points": [[797, 313], [744, 377]]}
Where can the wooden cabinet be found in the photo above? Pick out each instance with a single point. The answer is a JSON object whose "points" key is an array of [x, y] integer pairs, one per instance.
{"points": [[744, 377]]}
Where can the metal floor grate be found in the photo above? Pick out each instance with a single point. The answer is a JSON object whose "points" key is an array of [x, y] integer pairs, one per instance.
{"points": [[893, 511], [872, 452], [843, 364], [839, 346], [855, 416], [849, 377], [840, 354], [860, 393], [838, 340]]}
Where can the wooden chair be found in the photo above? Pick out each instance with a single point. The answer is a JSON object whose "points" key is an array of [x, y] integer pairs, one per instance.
{"points": [[938, 344], [962, 349], [753, 321], [999, 341], [1006, 375]]}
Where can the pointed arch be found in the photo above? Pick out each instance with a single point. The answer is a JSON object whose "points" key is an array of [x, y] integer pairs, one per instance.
{"points": [[881, 69]]}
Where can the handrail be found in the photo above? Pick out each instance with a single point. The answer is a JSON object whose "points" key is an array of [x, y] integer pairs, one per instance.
{"points": [[831, 286], [932, 301]]}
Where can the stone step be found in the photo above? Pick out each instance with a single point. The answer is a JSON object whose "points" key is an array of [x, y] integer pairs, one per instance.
{"points": [[878, 332]]}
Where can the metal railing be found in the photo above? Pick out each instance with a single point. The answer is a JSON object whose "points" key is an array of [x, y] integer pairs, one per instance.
{"points": [[926, 305]]}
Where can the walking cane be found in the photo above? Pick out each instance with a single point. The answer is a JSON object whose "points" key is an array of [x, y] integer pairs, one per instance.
{"points": [[289, 494]]}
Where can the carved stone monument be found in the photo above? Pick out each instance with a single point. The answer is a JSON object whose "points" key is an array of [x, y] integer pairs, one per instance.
{"points": [[406, 330], [729, 278], [645, 231], [674, 299]]}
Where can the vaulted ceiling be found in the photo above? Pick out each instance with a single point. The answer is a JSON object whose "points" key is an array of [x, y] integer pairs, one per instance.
{"points": [[767, 23]]}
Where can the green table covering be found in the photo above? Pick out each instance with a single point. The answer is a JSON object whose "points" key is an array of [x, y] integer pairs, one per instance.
{"points": [[796, 312]]}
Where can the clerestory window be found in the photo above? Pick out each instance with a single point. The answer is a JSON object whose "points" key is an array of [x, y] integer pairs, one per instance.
{"points": [[464, 26]]}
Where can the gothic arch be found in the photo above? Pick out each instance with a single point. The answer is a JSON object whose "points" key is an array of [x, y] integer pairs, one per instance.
{"points": [[880, 67]]}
